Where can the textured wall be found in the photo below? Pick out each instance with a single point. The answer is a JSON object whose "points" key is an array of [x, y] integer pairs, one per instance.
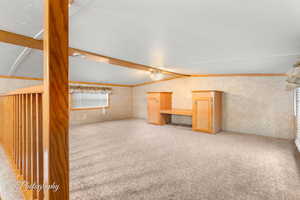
{"points": [[255, 105], [7, 85], [120, 102], [120, 108]]}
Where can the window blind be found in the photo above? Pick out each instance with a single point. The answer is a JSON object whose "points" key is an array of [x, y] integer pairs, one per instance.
{"points": [[89, 100]]}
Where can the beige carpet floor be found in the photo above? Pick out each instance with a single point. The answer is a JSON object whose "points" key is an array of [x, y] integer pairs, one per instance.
{"points": [[9, 187], [133, 160]]}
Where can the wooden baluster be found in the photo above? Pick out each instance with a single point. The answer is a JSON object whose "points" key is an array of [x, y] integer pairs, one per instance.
{"points": [[20, 166], [13, 129], [24, 119], [33, 142], [10, 127], [17, 131], [39, 144], [21, 134], [7, 131], [1, 119], [28, 138], [4, 121], [6, 124]]}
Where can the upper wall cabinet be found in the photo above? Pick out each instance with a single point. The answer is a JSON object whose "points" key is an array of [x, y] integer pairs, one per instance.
{"points": [[207, 111]]}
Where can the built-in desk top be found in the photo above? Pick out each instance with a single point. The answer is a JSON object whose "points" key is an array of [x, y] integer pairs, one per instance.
{"points": [[187, 112]]}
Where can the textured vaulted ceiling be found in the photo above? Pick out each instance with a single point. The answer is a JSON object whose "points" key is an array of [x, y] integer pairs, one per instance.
{"points": [[191, 36]]}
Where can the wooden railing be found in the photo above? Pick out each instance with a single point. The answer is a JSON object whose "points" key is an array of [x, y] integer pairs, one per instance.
{"points": [[22, 137]]}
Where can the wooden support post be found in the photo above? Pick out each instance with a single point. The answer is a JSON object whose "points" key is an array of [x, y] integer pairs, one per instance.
{"points": [[56, 99]]}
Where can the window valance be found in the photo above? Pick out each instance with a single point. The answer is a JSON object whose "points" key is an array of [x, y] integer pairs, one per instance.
{"points": [[88, 89]]}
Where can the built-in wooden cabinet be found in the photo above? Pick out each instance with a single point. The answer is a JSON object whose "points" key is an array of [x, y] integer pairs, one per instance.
{"points": [[207, 111], [157, 101]]}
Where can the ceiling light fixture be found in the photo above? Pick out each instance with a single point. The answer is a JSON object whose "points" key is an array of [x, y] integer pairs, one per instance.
{"points": [[75, 54], [156, 75]]}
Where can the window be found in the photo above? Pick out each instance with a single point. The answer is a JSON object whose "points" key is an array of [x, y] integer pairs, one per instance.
{"points": [[89, 100], [89, 97]]}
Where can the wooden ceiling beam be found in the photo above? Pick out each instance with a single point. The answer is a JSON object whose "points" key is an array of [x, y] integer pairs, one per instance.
{"points": [[246, 74], [70, 82], [21, 40], [116, 61], [158, 81]]}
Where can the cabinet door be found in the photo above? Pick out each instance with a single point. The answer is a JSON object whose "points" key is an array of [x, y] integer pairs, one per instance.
{"points": [[202, 114], [153, 109]]}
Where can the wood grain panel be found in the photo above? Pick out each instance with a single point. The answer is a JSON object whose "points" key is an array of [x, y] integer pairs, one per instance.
{"points": [[56, 99], [202, 114]]}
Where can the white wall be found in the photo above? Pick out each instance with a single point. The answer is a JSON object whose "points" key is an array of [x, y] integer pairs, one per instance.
{"points": [[255, 105], [7, 85]]}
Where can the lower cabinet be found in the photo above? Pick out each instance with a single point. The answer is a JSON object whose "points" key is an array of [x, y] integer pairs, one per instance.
{"points": [[207, 111]]}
